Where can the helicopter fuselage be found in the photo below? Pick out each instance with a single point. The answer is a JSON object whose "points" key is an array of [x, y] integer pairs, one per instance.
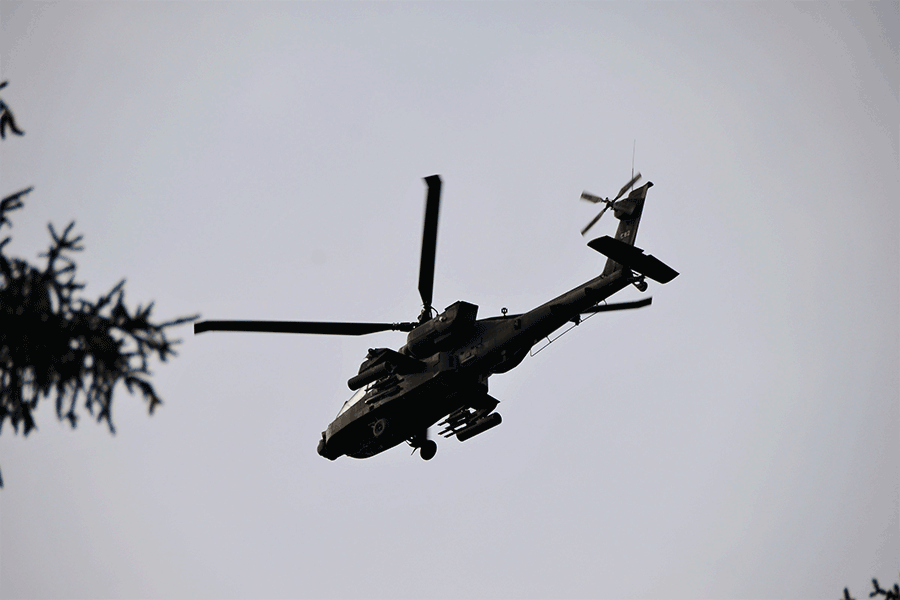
{"points": [[404, 400], [443, 369]]}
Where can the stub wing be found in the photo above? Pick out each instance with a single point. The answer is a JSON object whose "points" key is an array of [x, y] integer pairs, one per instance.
{"points": [[475, 417]]}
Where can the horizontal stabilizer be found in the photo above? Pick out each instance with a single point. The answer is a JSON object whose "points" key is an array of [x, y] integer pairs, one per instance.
{"points": [[634, 258]]}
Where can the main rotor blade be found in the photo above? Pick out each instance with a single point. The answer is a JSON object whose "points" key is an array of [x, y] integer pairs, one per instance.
{"points": [[316, 327], [429, 240], [626, 186], [618, 306]]}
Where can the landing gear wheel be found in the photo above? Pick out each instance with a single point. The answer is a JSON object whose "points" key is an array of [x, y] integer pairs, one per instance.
{"points": [[428, 450]]}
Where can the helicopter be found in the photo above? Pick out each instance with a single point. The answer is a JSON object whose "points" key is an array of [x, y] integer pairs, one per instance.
{"points": [[440, 376]]}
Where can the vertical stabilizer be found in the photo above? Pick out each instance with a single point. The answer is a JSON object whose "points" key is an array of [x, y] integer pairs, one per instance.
{"points": [[628, 211]]}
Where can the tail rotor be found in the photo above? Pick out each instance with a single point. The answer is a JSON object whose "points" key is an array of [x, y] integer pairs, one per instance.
{"points": [[606, 201]]}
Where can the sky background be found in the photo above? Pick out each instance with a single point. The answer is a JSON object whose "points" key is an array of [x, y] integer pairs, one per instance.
{"points": [[737, 439]]}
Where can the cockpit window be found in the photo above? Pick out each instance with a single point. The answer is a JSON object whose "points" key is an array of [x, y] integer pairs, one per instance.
{"points": [[360, 393]]}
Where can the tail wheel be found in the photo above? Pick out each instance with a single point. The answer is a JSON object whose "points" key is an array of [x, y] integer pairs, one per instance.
{"points": [[379, 427], [428, 450]]}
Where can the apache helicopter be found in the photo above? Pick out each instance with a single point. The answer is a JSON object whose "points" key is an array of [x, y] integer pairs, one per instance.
{"points": [[442, 372]]}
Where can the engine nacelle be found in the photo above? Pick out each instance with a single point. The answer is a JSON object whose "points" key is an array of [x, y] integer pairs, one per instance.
{"points": [[381, 362], [369, 375], [457, 321]]}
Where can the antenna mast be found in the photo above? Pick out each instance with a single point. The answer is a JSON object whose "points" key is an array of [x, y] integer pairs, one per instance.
{"points": [[633, 146]]}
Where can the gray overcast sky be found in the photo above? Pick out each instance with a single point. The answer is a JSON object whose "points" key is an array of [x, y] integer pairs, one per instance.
{"points": [[738, 439]]}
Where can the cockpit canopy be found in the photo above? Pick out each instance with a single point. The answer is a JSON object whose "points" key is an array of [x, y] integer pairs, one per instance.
{"points": [[356, 397]]}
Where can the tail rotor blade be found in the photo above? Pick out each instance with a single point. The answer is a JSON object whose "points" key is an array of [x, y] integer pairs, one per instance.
{"points": [[626, 186], [597, 218], [429, 240]]}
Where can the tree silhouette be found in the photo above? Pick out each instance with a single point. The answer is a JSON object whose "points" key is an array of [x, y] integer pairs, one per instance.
{"points": [[54, 343], [889, 594]]}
